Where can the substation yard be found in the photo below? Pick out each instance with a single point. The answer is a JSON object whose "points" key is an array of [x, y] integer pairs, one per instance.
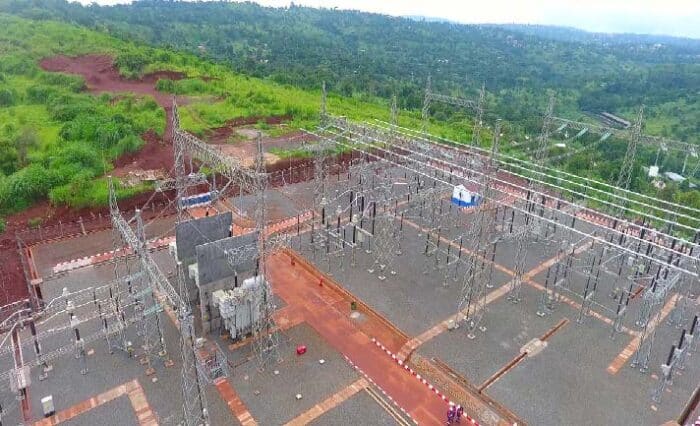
{"points": [[578, 376], [388, 299]]}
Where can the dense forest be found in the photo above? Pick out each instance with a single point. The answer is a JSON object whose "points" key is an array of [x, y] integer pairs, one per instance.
{"points": [[375, 55], [58, 142]]}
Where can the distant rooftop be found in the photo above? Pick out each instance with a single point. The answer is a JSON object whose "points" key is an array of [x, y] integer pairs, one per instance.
{"points": [[674, 176]]}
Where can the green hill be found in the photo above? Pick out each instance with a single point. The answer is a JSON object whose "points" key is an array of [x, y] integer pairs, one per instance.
{"points": [[369, 54], [57, 141]]}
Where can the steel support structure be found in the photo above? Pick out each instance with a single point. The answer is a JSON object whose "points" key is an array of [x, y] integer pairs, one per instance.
{"points": [[248, 180]]}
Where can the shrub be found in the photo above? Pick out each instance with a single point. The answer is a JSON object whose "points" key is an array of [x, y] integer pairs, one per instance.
{"points": [[8, 156], [17, 65], [165, 85], [102, 131], [130, 143], [131, 64], [149, 105], [20, 189], [70, 82], [67, 107], [191, 86], [262, 125], [75, 158], [7, 97], [40, 93], [91, 193], [76, 193]]}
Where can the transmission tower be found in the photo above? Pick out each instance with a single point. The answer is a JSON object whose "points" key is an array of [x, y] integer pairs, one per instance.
{"points": [[543, 145], [385, 239], [250, 181], [394, 112], [627, 167], [150, 312], [522, 233], [266, 344], [471, 304], [195, 405], [140, 292], [324, 100], [479, 120], [426, 105]]}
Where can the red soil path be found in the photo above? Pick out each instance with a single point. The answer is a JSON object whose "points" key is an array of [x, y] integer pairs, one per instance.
{"points": [[220, 135], [154, 155], [101, 76], [298, 287]]}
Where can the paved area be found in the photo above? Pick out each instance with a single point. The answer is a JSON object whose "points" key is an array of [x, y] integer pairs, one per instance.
{"points": [[415, 298], [47, 255], [299, 287], [331, 402], [493, 348], [360, 409], [70, 388], [580, 376], [408, 301], [117, 411], [270, 394], [93, 410]]}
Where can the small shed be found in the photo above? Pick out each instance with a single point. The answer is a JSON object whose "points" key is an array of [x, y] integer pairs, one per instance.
{"points": [[462, 197]]}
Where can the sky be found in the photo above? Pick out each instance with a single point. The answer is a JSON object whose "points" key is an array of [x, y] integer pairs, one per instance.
{"points": [[670, 17]]}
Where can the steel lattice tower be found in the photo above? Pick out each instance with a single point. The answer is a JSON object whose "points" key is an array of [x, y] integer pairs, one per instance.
{"points": [[324, 100], [426, 105], [479, 119], [627, 167], [141, 292], [543, 143], [470, 307], [522, 234], [266, 344], [194, 399]]}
